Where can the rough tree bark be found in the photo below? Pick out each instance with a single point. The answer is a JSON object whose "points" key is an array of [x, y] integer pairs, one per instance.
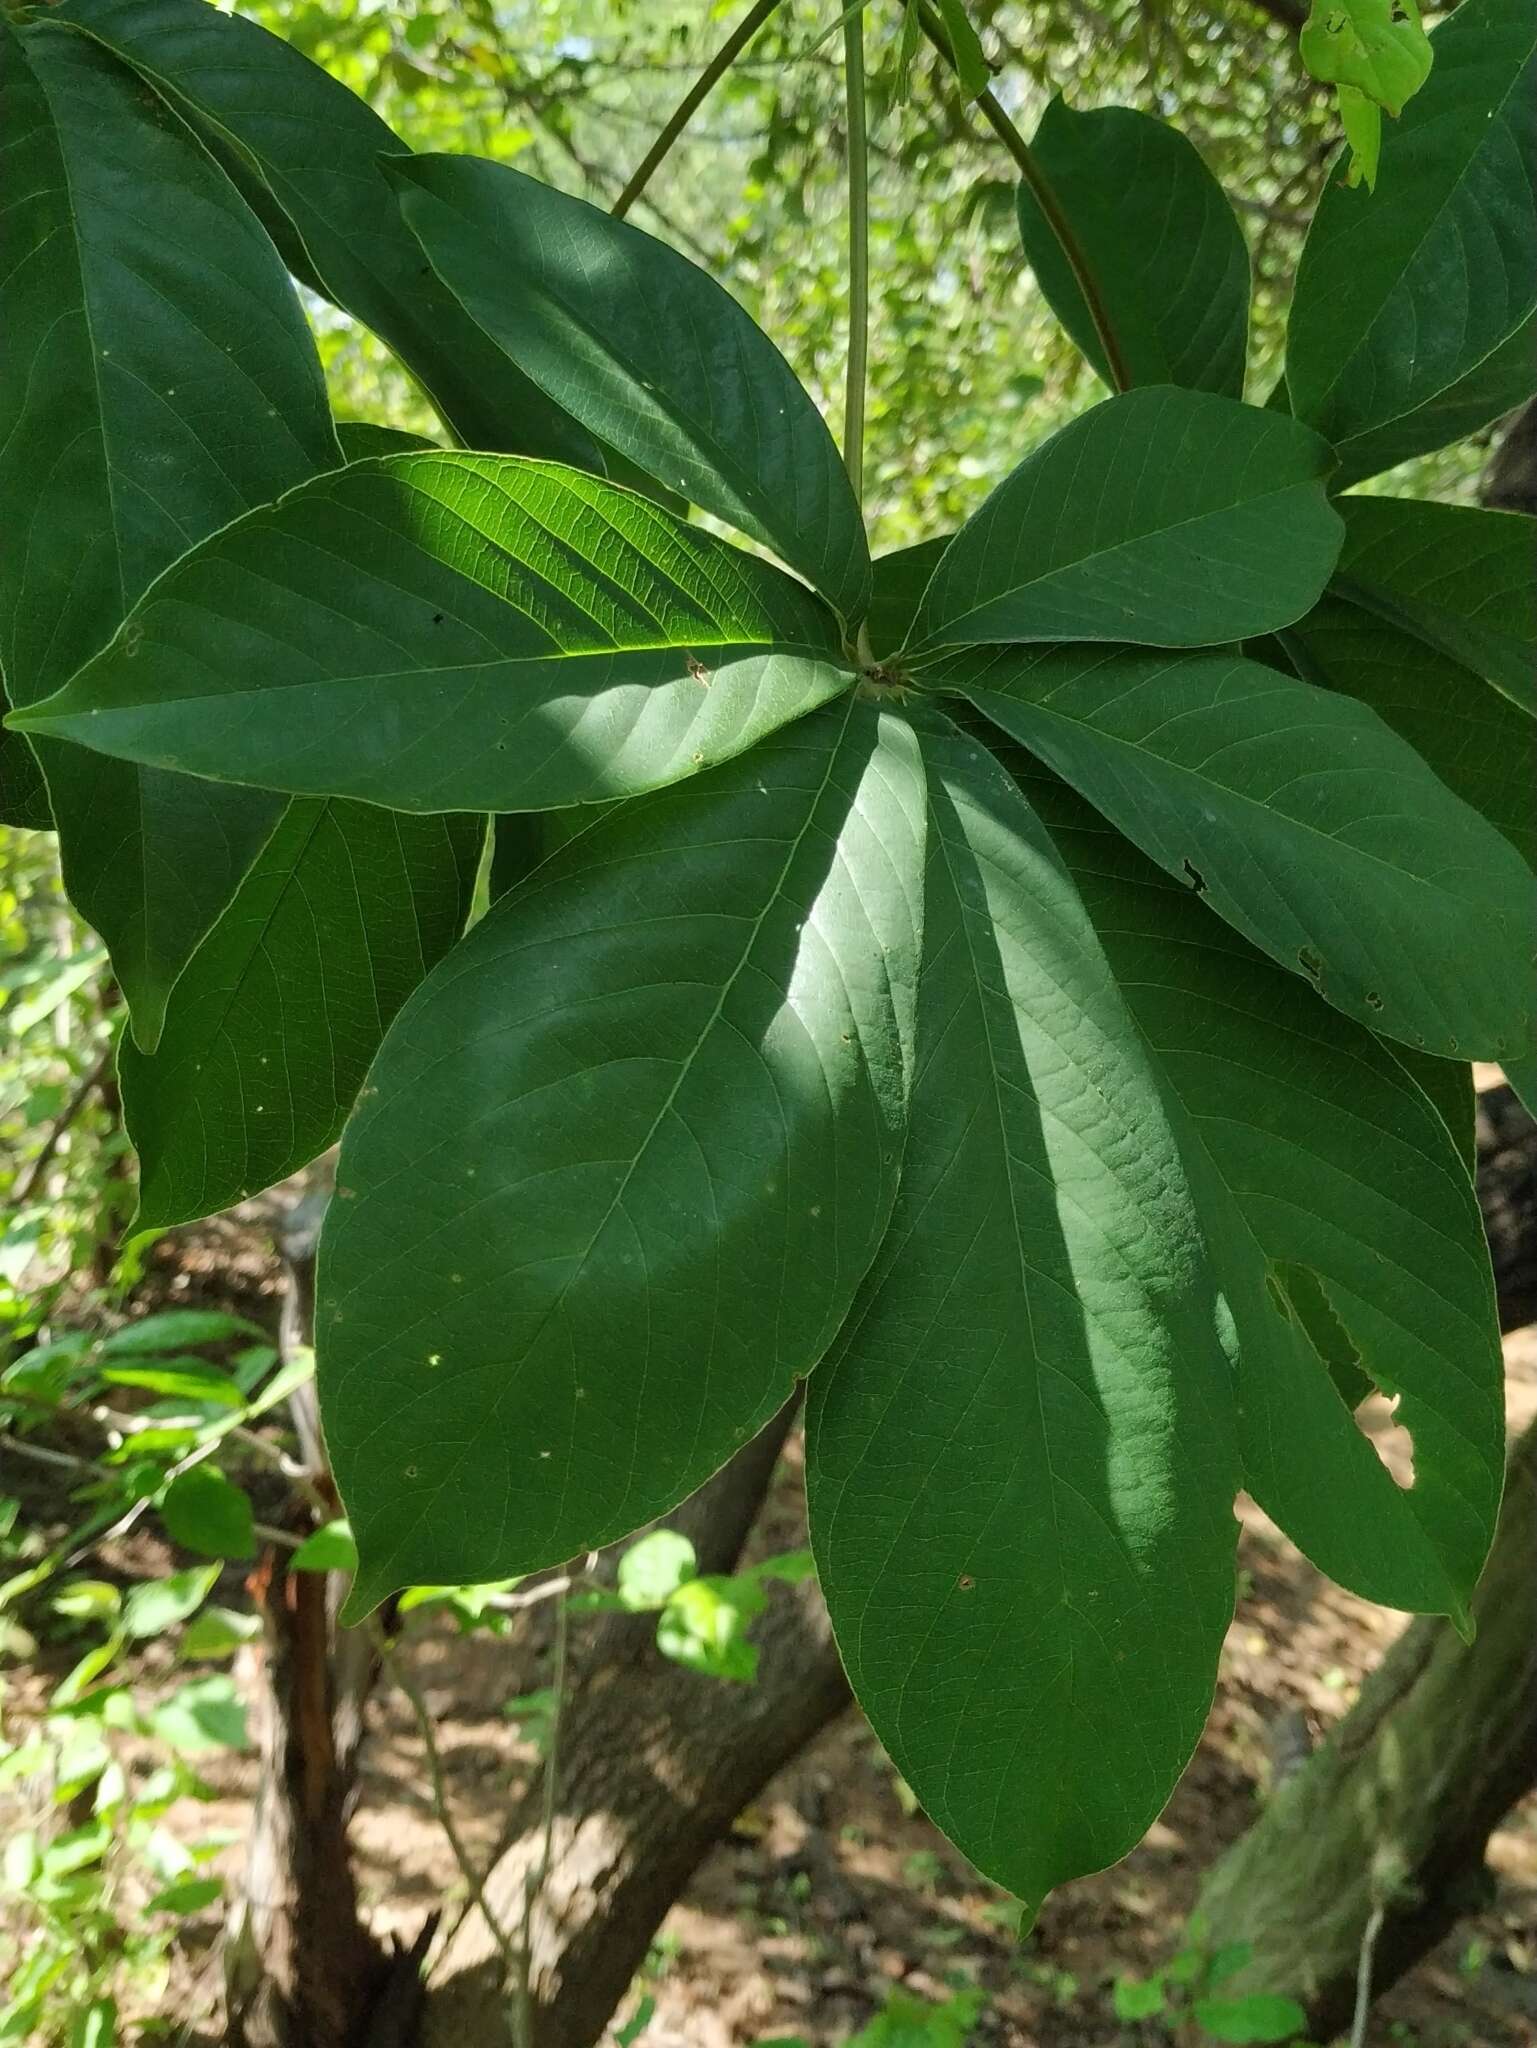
{"points": [[1392, 1815], [656, 1763], [300, 1968]]}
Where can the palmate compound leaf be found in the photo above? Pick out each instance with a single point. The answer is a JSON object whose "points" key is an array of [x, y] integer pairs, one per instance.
{"points": [[1168, 257], [649, 353], [157, 379], [1020, 1455], [1413, 319], [307, 154], [1319, 1166], [456, 632], [1165, 517], [271, 1028], [1300, 818], [623, 1160]]}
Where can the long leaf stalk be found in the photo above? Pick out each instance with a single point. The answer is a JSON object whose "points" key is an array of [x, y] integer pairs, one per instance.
{"points": [[1040, 189], [857, 367], [691, 101]]}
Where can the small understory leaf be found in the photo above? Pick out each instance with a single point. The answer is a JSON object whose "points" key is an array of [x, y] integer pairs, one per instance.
{"points": [[1020, 1455], [444, 632], [1315, 830], [624, 1159]]}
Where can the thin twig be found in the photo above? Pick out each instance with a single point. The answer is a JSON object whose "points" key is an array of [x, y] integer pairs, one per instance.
{"points": [[1040, 190], [398, 1670], [43, 1158], [66, 1461], [534, 1882], [1364, 1976], [859, 255], [697, 93]]}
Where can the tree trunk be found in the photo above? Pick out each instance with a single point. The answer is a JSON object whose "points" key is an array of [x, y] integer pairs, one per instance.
{"points": [[1393, 1813], [655, 1764], [300, 1968], [662, 1761]]}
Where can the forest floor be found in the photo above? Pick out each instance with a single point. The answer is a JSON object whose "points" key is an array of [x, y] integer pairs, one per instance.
{"points": [[833, 1891]]}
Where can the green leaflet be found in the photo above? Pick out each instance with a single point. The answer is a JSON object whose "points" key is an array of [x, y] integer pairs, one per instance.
{"points": [[306, 154], [1521, 1073], [1502, 382], [1020, 1458], [360, 439], [444, 632], [271, 1028], [1458, 577], [1474, 738], [1166, 517], [650, 353], [624, 1159], [1376, 47], [157, 379], [23, 793], [1432, 620], [1300, 817], [897, 584], [971, 63], [1312, 1150], [1408, 299], [1167, 254]]}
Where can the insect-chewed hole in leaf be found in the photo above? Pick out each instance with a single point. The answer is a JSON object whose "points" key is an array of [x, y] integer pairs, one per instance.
{"points": [[1377, 1420], [1194, 877], [1298, 1294], [1312, 966]]}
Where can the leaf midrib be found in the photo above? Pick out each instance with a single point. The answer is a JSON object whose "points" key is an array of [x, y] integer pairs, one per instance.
{"points": [[685, 1069]]}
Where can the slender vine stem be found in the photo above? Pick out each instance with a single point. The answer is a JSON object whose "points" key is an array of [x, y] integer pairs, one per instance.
{"points": [[399, 1670], [697, 93], [535, 1881], [1040, 189], [858, 365]]}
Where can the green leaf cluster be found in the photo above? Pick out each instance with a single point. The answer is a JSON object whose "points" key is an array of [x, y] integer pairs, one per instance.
{"points": [[1023, 987]]}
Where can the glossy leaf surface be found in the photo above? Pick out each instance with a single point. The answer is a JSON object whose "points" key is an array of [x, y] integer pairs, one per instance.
{"points": [[624, 1159], [1406, 294], [1165, 249], [272, 1027], [457, 632], [649, 352], [1020, 1457], [1300, 818], [1317, 1158], [157, 379], [1165, 517]]}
